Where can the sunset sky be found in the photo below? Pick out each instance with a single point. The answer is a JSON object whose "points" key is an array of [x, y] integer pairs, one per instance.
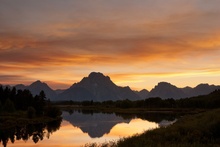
{"points": [[136, 42]]}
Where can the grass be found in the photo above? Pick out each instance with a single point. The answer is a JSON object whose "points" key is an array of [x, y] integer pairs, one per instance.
{"points": [[198, 130]]}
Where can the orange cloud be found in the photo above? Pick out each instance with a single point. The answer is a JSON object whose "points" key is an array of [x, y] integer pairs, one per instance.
{"points": [[179, 40]]}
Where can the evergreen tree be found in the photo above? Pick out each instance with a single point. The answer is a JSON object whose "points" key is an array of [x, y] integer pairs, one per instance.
{"points": [[0, 106], [9, 106], [31, 112]]}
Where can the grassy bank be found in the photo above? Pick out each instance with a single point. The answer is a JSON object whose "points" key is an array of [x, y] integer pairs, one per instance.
{"points": [[192, 130]]}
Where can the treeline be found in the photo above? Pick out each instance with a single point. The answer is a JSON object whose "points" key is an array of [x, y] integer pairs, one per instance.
{"points": [[12, 100], [211, 100]]}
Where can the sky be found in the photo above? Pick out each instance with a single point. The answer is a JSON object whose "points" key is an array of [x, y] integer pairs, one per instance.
{"points": [[136, 43]]}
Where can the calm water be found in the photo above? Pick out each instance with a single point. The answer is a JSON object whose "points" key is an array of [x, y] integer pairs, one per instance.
{"points": [[80, 127]]}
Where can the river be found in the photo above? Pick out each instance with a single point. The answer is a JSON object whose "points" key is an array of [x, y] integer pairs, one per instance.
{"points": [[80, 127]]}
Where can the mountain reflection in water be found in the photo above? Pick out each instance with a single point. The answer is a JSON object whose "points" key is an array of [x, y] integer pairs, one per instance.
{"points": [[81, 127], [95, 124]]}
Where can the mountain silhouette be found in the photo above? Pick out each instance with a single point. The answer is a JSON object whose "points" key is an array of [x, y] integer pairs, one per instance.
{"points": [[166, 90], [21, 86], [59, 91], [97, 87], [201, 89], [36, 87], [95, 124], [143, 94]]}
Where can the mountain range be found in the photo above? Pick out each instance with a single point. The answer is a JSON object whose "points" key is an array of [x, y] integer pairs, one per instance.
{"points": [[36, 87], [166, 90], [98, 87]]}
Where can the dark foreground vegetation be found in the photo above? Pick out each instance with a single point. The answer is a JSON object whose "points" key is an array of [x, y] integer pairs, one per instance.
{"points": [[24, 116], [22, 102], [35, 131]]}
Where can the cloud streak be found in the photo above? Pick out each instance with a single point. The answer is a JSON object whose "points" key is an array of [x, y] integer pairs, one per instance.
{"points": [[154, 38]]}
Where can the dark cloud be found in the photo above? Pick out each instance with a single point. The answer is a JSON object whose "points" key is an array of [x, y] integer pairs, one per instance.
{"points": [[13, 79], [10, 77]]}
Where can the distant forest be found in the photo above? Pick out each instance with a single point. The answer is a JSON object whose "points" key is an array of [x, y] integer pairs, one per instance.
{"points": [[211, 100], [12, 101]]}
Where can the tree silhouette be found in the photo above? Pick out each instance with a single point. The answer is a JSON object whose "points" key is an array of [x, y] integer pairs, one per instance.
{"points": [[12, 99], [31, 112], [9, 106]]}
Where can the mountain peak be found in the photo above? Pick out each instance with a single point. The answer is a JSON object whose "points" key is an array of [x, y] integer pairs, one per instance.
{"points": [[164, 84], [143, 93], [144, 90], [202, 85], [166, 90], [37, 82], [98, 87], [39, 85], [96, 75]]}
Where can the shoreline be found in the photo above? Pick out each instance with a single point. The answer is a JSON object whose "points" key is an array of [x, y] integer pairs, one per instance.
{"points": [[18, 120], [131, 110], [192, 130]]}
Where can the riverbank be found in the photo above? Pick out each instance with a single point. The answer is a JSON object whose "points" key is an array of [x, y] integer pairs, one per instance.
{"points": [[8, 120], [131, 110], [191, 130]]}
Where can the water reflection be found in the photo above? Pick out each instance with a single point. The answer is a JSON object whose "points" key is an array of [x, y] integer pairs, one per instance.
{"points": [[81, 127], [95, 124], [165, 123], [35, 132], [151, 116]]}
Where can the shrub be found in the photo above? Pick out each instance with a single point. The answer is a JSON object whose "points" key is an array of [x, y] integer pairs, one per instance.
{"points": [[31, 112], [53, 112], [9, 106], [0, 107]]}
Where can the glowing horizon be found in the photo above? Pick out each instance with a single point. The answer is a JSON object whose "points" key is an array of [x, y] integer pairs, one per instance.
{"points": [[135, 43]]}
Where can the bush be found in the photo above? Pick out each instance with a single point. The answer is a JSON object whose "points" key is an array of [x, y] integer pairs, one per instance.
{"points": [[53, 112], [0, 107], [31, 112], [9, 106]]}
